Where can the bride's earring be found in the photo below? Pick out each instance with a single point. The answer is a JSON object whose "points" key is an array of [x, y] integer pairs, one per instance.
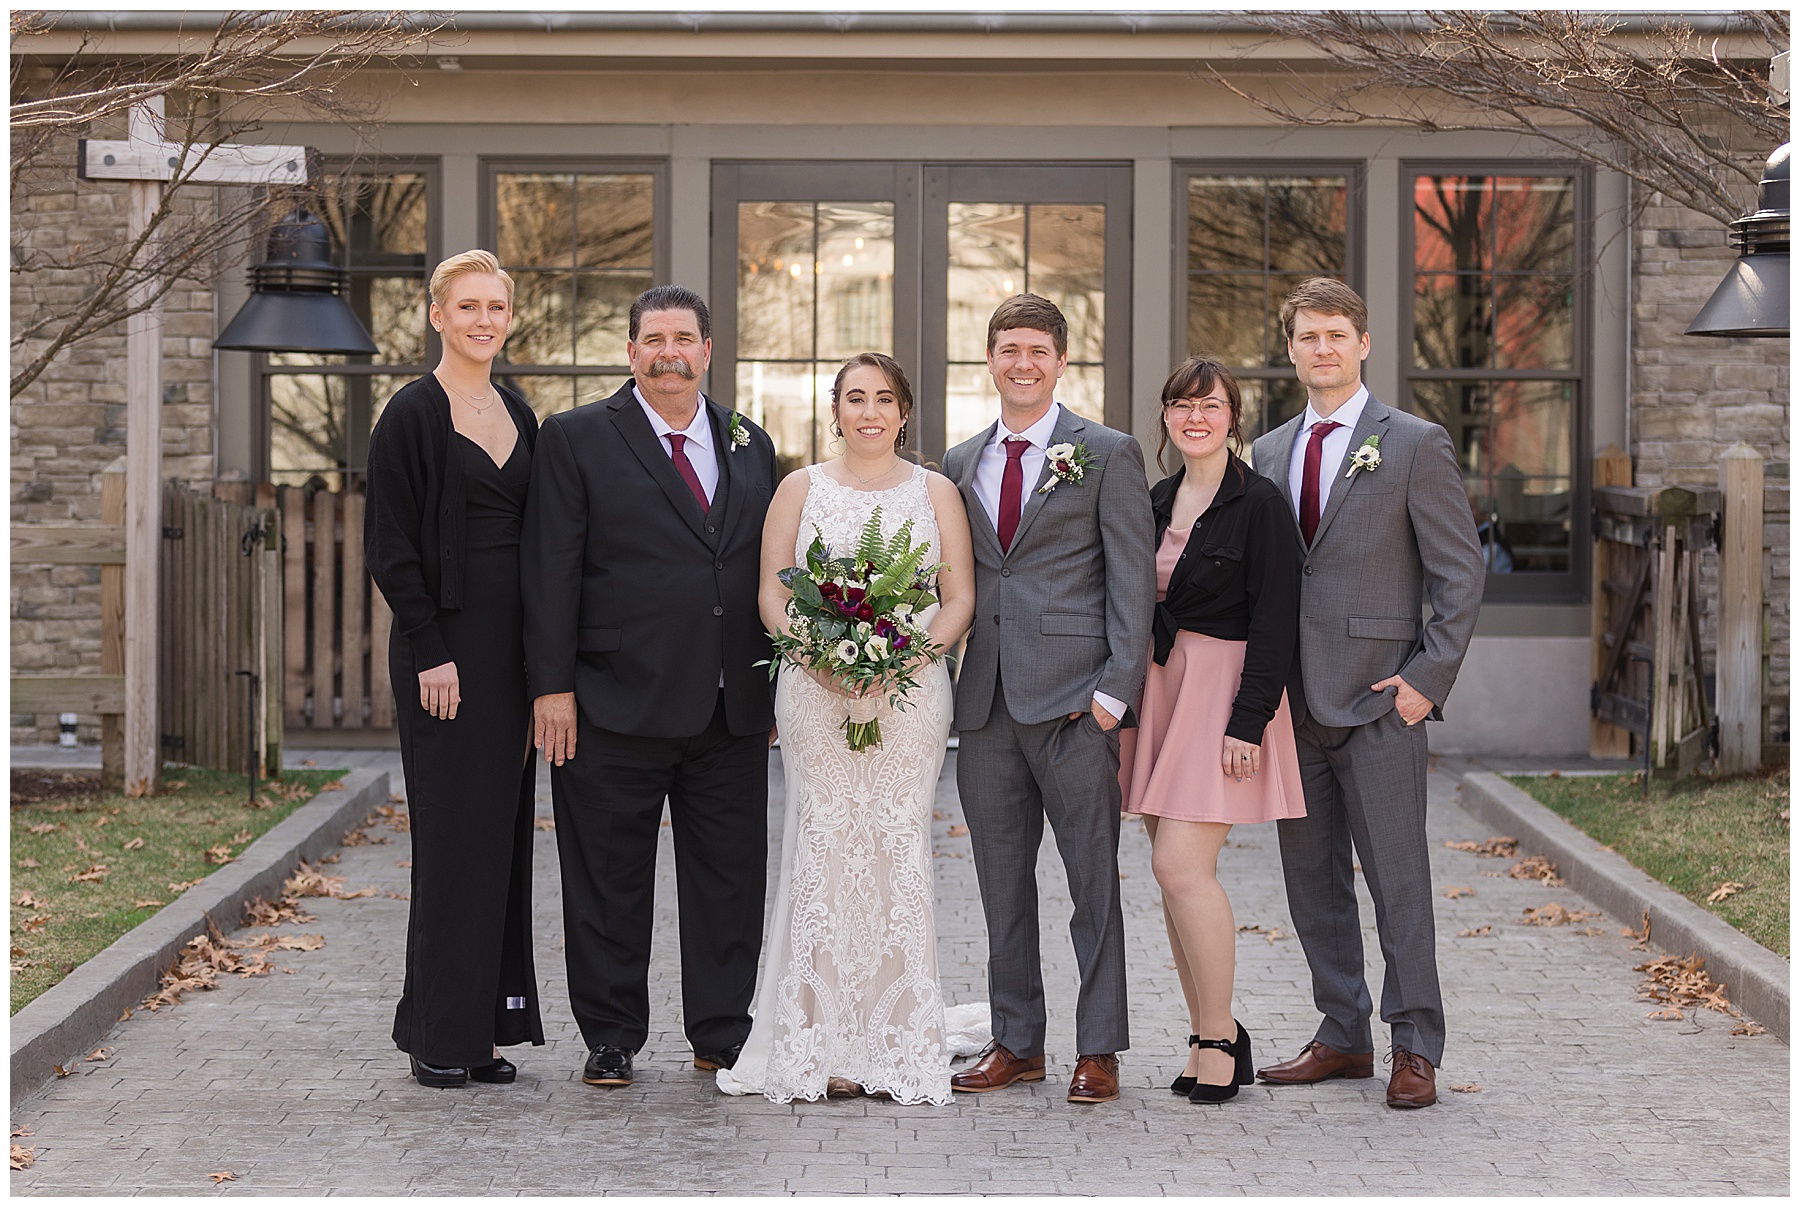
{"points": [[900, 440]]}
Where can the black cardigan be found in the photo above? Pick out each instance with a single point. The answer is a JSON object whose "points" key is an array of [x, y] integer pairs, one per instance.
{"points": [[415, 525], [1238, 580]]}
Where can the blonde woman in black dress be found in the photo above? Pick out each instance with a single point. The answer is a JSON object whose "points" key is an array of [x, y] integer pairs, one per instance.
{"points": [[449, 467]]}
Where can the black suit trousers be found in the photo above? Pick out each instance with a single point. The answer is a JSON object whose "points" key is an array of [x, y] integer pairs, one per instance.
{"points": [[608, 801]]}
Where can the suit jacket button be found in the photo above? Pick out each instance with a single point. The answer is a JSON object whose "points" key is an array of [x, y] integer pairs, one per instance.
{"points": [[718, 611], [1306, 569], [996, 619], [718, 565], [710, 528], [1005, 572]]}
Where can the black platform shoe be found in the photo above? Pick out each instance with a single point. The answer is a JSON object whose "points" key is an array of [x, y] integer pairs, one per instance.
{"points": [[438, 1078], [501, 1072], [1243, 1074], [1182, 1084]]}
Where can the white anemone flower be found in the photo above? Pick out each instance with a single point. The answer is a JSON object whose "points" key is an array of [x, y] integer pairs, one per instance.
{"points": [[846, 652]]}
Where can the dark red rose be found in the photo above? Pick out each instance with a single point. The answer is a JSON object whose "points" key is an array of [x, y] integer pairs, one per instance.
{"points": [[853, 595], [865, 612], [830, 590]]}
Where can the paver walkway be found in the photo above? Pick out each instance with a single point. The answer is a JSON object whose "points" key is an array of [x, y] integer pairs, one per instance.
{"points": [[291, 1081]]}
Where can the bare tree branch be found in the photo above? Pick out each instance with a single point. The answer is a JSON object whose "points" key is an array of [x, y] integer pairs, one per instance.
{"points": [[253, 65], [1659, 102]]}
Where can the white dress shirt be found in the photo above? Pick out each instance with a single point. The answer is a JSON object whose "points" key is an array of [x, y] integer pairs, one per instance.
{"points": [[991, 467], [1337, 443], [699, 432]]}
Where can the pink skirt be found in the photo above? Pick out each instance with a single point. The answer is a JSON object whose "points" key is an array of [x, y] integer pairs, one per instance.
{"points": [[1169, 765]]}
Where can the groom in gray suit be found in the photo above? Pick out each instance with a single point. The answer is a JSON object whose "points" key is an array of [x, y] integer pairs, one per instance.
{"points": [[1386, 526], [1065, 584]]}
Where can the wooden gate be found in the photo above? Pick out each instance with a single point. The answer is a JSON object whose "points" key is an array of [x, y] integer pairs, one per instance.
{"points": [[336, 671], [1649, 679], [220, 646]]}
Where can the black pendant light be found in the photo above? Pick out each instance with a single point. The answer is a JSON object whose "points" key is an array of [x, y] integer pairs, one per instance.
{"points": [[1752, 300], [296, 303]]}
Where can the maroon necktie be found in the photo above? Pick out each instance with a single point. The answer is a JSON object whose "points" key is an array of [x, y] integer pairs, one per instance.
{"points": [[1012, 490], [1309, 479], [685, 468]]}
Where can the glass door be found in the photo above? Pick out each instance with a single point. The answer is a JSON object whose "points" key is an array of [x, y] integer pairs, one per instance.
{"points": [[813, 263]]}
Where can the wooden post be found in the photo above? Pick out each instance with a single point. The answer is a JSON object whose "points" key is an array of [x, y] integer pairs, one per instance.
{"points": [[324, 593], [1612, 467], [293, 604], [112, 629], [143, 487], [1662, 631], [1740, 610], [355, 585]]}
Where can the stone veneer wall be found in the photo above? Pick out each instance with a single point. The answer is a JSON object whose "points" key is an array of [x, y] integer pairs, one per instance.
{"points": [[69, 424], [1692, 398]]}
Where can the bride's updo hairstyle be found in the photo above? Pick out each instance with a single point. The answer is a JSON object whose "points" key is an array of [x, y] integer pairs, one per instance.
{"points": [[1195, 377], [896, 379]]}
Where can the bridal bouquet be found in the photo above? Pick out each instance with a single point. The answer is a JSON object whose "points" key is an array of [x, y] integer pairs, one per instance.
{"points": [[855, 618]]}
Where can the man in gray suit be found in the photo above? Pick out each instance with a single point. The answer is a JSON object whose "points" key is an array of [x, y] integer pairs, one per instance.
{"points": [[1065, 584], [1386, 526]]}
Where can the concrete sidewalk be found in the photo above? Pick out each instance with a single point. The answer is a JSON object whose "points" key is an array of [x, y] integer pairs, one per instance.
{"points": [[292, 1083]]}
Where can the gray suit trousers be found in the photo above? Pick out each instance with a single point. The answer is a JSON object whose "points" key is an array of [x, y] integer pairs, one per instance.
{"points": [[1365, 788], [1011, 777]]}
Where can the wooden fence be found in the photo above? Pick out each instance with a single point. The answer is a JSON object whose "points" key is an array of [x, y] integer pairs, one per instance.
{"points": [[220, 645], [336, 664]]}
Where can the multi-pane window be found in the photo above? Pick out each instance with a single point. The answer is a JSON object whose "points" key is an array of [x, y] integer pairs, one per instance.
{"points": [[1250, 240], [996, 251], [580, 246], [1496, 296], [815, 287], [322, 407]]}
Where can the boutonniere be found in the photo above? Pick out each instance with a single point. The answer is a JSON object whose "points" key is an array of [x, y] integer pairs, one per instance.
{"points": [[735, 433], [1367, 457], [1068, 462]]}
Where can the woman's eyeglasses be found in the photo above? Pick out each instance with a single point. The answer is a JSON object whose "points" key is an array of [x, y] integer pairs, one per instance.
{"points": [[1209, 410]]}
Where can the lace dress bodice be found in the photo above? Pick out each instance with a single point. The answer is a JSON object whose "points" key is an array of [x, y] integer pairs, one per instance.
{"points": [[838, 513]]}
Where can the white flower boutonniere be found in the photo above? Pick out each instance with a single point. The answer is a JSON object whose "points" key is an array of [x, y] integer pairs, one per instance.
{"points": [[735, 433], [1068, 462], [1367, 457]]}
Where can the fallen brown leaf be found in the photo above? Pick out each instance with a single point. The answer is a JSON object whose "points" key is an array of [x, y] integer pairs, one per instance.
{"points": [[125, 1014], [203, 959], [1456, 891], [1555, 914], [223, 1175], [98, 1055], [1475, 932], [1730, 888], [44, 827], [30, 863], [241, 837], [62, 1072], [1536, 867], [34, 924], [1666, 1016], [366, 891], [396, 798], [396, 816], [958, 831], [184, 885], [543, 823], [1640, 938], [399, 896], [1749, 1028], [147, 903], [95, 874], [31, 900], [261, 913], [1684, 983], [1498, 847], [1470, 1088], [220, 854], [402, 863], [133, 844], [23, 1155]]}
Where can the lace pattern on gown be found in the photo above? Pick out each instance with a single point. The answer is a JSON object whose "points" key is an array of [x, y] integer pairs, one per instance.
{"points": [[850, 987]]}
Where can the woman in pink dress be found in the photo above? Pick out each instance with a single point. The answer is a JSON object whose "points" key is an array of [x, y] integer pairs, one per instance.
{"points": [[1214, 745]]}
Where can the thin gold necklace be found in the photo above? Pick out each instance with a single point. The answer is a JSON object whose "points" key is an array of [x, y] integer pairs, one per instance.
{"points": [[470, 398], [865, 481]]}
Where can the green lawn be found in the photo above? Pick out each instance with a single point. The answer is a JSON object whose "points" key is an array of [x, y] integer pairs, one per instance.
{"points": [[1694, 835], [88, 866]]}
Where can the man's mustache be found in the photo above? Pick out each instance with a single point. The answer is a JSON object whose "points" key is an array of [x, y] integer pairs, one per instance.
{"points": [[671, 364]]}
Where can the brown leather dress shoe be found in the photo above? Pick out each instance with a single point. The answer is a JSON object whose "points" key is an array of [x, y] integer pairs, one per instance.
{"points": [[1317, 1062], [1096, 1079], [996, 1069], [1413, 1082]]}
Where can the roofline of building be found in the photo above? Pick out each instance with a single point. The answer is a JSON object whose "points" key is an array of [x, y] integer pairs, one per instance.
{"points": [[968, 21]]}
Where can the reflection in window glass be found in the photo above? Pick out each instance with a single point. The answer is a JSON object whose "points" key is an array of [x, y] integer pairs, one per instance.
{"points": [[997, 251], [580, 247], [1494, 290], [1250, 241], [815, 287]]}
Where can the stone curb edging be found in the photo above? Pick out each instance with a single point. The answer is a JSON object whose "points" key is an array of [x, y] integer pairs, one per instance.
{"points": [[78, 1011], [1756, 979]]}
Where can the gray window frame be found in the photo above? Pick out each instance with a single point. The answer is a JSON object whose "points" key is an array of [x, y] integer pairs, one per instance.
{"points": [[430, 167], [493, 166], [1573, 586], [1355, 172]]}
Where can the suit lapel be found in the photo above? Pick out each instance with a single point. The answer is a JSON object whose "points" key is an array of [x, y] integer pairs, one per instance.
{"points": [[1285, 435], [1373, 422], [1068, 429], [729, 493], [980, 526], [635, 430]]}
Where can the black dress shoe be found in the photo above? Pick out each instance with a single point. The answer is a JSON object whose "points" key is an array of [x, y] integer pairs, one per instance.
{"points": [[446, 1077], [1182, 1084], [607, 1065], [501, 1072], [724, 1059], [1242, 1074]]}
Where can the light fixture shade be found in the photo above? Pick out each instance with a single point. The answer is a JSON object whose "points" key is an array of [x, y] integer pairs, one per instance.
{"points": [[1752, 300], [295, 304]]}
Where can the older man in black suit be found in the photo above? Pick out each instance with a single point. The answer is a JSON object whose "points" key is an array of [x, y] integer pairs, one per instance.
{"points": [[641, 552]]}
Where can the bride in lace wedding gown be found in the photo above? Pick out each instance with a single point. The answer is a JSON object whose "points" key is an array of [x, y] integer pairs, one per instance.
{"points": [[849, 995]]}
